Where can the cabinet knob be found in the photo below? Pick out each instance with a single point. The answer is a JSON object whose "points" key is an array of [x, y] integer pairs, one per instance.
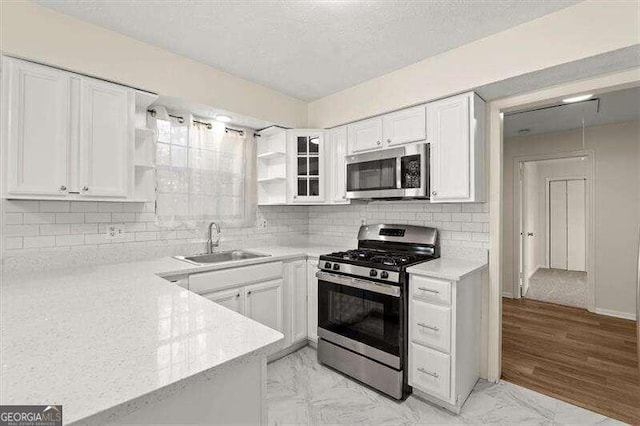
{"points": [[248, 293], [85, 188], [377, 142], [388, 140], [434, 193], [295, 196], [63, 188]]}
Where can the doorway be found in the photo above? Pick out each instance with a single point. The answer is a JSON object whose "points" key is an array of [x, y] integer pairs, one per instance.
{"points": [[553, 230], [586, 358]]}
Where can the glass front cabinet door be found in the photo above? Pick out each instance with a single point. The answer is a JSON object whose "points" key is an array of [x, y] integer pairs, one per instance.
{"points": [[306, 166]]}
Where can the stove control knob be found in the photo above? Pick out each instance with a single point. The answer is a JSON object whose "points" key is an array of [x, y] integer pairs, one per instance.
{"points": [[327, 265], [373, 273], [336, 267], [384, 274]]}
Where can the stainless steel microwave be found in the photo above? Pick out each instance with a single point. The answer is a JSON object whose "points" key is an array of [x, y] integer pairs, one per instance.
{"points": [[401, 172]]}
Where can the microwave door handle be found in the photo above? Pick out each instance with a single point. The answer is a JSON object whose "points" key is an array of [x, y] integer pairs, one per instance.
{"points": [[399, 172]]}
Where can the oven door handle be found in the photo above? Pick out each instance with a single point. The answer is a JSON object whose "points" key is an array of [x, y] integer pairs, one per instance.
{"points": [[372, 286]]}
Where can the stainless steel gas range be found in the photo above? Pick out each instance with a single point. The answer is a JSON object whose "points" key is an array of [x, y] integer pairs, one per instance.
{"points": [[363, 304]]}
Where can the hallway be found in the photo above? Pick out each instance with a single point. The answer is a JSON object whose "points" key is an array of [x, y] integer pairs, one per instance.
{"points": [[571, 354], [559, 286]]}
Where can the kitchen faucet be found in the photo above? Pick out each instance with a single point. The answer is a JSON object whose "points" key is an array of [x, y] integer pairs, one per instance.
{"points": [[210, 243]]}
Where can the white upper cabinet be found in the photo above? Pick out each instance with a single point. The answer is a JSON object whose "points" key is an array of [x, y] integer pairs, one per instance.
{"points": [[36, 113], [106, 136], [68, 136], [337, 170], [404, 126], [455, 132], [306, 173], [365, 135]]}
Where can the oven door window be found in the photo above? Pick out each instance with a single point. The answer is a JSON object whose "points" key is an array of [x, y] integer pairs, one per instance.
{"points": [[372, 175], [360, 315]]}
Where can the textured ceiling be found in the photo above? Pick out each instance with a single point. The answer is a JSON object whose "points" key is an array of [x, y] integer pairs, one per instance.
{"points": [[613, 107], [307, 48]]}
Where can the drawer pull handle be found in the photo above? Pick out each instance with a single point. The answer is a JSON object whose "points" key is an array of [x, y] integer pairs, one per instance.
{"points": [[429, 290], [430, 327], [435, 375]]}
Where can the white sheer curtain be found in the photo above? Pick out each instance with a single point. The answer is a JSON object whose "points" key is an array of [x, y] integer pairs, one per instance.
{"points": [[204, 174]]}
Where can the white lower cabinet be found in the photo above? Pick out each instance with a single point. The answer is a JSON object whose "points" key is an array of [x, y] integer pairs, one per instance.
{"points": [[312, 300], [444, 338], [263, 303], [231, 299]]}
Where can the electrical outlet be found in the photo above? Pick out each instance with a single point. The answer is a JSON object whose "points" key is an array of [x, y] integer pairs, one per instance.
{"points": [[114, 232]]}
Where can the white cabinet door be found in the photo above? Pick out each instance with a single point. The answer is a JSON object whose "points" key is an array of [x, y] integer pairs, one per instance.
{"points": [[404, 126], [337, 172], [231, 299], [306, 173], [36, 110], [365, 135], [449, 135], [298, 300], [312, 300], [264, 303], [106, 138]]}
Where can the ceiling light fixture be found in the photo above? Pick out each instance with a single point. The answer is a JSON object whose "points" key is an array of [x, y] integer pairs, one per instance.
{"points": [[577, 99], [223, 118]]}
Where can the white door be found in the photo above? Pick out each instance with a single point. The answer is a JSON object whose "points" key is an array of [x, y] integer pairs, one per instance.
{"points": [[312, 299], [365, 135], [407, 125], [448, 131], [576, 225], [306, 174], [264, 303], [298, 300], [37, 114], [338, 171], [567, 225], [106, 138], [231, 299]]}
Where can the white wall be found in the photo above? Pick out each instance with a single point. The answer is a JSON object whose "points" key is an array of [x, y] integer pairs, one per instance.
{"points": [[586, 29], [39, 34], [617, 210]]}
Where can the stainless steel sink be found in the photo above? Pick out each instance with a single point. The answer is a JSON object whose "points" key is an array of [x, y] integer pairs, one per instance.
{"points": [[221, 256]]}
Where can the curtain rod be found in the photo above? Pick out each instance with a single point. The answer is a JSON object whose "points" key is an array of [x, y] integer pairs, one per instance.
{"points": [[204, 123]]}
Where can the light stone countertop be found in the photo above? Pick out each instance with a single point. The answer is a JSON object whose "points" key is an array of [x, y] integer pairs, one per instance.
{"points": [[96, 338], [448, 268]]}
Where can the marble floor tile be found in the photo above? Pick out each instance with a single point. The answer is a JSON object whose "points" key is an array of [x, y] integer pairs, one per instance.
{"points": [[300, 391]]}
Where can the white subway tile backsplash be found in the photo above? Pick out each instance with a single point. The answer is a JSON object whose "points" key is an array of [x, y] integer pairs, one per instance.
{"points": [[55, 229], [21, 230], [13, 243], [13, 218], [32, 218], [97, 217], [21, 206], [123, 217], [54, 206], [82, 228], [69, 218], [110, 207], [85, 207]]}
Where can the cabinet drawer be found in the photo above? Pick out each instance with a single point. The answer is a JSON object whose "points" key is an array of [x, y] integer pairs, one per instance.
{"points": [[431, 289], [430, 325], [225, 278], [430, 371]]}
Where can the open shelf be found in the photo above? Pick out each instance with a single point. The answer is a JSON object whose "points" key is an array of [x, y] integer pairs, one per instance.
{"points": [[272, 179]]}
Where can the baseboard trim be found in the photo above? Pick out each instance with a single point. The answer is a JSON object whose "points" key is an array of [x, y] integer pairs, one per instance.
{"points": [[288, 350], [618, 314], [507, 294]]}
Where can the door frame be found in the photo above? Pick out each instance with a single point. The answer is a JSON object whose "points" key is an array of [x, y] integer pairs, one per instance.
{"points": [[589, 196], [492, 294], [589, 155]]}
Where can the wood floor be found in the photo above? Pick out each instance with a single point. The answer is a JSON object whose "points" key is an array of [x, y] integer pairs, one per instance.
{"points": [[571, 354]]}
